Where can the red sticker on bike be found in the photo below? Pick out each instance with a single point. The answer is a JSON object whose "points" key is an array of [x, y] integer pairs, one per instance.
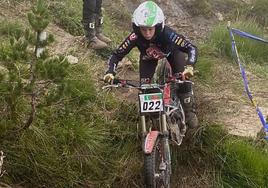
{"points": [[167, 98]]}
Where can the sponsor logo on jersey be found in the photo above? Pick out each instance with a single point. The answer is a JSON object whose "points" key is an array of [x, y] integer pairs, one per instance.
{"points": [[133, 36], [182, 44], [120, 49], [174, 38], [193, 55], [171, 35], [178, 41]]}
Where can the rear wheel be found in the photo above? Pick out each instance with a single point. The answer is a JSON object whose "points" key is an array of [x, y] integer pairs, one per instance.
{"points": [[157, 165]]}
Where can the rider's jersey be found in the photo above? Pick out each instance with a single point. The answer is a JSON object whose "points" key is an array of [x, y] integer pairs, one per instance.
{"points": [[167, 42]]}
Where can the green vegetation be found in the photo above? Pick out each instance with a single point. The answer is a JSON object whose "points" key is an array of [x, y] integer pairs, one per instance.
{"points": [[205, 64], [251, 51], [259, 12], [245, 164], [241, 162], [9, 28], [83, 137], [200, 7], [67, 142], [68, 15], [256, 11], [120, 18]]}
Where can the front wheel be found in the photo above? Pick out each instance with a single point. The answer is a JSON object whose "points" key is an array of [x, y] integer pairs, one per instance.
{"points": [[158, 165]]}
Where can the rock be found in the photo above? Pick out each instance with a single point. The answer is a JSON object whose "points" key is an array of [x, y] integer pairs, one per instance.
{"points": [[219, 16], [72, 59]]}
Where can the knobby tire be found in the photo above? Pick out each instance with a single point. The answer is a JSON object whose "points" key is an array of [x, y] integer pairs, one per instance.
{"points": [[152, 162]]}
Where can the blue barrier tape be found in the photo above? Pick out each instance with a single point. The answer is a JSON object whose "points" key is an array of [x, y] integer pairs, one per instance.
{"points": [[243, 73], [245, 80], [247, 35]]}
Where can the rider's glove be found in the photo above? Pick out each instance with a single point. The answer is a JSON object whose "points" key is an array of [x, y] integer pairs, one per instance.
{"points": [[108, 77], [188, 71]]}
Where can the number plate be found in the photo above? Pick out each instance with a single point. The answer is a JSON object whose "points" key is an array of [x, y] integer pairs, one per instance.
{"points": [[152, 102]]}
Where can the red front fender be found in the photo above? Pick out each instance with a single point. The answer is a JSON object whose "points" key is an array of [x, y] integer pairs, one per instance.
{"points": [[150, 141]]}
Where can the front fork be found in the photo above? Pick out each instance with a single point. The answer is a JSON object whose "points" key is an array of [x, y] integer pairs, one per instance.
{"points": [[163, 127], [143, 126], [166, 141]]}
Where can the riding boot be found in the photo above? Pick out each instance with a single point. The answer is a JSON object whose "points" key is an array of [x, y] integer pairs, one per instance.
{"points": [[187, 101], [99, 34], [185, 94], [90, 33]]}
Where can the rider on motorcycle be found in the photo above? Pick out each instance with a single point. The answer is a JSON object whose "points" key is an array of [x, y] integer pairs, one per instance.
{"points": [[153, 38]]}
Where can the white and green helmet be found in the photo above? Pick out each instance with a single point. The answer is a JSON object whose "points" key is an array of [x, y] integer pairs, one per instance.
{"points": [[148, 14]]}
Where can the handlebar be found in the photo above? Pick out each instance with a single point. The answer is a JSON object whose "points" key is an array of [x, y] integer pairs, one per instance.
{"points": [[141, 85]]}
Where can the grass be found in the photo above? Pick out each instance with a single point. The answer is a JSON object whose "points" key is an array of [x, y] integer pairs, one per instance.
{"points": [[68, 15], [259, 70], [250, 50], [70, 143], [87, 137], [259, 11], [200, 8], [199, 156], [121, 18], [206, 61], [245, 165], [8, 28]]}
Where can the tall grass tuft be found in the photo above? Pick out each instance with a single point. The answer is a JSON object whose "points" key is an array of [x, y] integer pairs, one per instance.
{"points": [[245, 165], [68, 15], [250, 50], [10, 28], [208, 57], [199, 156]]}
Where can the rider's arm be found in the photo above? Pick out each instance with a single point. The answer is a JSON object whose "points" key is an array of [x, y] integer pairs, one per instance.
{"points": [[121, 52], [180, 42]]}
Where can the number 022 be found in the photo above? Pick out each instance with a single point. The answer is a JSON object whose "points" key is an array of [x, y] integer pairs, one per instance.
{"points": [[151, 105]]}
